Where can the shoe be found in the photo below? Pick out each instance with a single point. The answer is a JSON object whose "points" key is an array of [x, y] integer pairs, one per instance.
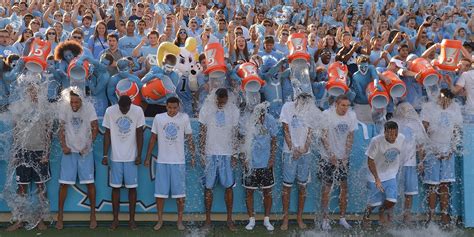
{"points": [[267, 224], [325, 226], [344, 223], [251, 224]]}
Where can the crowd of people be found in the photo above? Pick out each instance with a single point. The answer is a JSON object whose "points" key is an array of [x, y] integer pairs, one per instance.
{"points": [[141, 42]]}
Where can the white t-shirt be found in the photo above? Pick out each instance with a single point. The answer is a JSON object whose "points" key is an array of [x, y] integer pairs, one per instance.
{"points": [[170, 132], [220, 129], [467, 82], [386, 157], [442, 123], [77, 125], [298, 130], [414, 135], [123, 131], [338, 128]]}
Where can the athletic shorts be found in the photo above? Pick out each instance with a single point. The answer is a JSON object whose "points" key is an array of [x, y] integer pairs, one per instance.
{"points": [[74, 165], [376, 197], [410, 180], [258, 178], [218, 167], [121, 173], [296, 169], [328, 173], [438, 171], [31, 169], [170, 180]]}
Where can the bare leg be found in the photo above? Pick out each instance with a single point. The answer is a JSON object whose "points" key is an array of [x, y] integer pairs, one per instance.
{"points": [[267, 200], [444, 203], [431, 201], [115, 207], [366, 220], [160, 203], [286, 204], [132, 198], [62, 198], [208, 204], [343, 198], [249, 202], [42, 196], [407, 209], [386, 206], [301, 200], [325, 190], [229, 202], [22, 192], [180, 204], [91, 195]]}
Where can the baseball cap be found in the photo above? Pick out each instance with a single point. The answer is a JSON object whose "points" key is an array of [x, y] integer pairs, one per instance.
{"points": [[397, 62]]}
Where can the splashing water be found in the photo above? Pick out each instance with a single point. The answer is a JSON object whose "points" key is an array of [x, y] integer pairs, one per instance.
{"points": [[299, 78], [29, 127]]}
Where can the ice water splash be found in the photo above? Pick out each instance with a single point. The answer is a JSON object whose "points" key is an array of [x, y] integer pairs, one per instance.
{"points": [[28, 126], [432, 92], [253, 125], [299, 78]]}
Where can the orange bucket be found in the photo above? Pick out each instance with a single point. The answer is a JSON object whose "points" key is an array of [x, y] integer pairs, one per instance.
{"points": [[337, 83], [36, 61], [76, 72], [297, 49], [130, 88], [397, 87], [251, 82], [377, 99], [216, 66], [154, 89], [429, 75], [450, 55]]}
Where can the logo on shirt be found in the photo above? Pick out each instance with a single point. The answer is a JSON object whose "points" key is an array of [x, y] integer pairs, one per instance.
{"points": [[76, 123], [171, 131], [220, 119], [342, 129], [124, 124], [391, 155]]}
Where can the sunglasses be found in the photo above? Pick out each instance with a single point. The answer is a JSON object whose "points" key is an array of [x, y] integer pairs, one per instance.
{"points": [[239, 33], [285, 34], [77, 37], [51, 33], [182, 32]]}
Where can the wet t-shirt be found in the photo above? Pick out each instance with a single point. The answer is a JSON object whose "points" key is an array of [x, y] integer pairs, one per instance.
{"points": [[386, 157]]}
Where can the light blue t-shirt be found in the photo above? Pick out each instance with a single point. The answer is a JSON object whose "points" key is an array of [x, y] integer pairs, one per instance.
{"points": [[128, 43], [97, 45], [261, 144]]}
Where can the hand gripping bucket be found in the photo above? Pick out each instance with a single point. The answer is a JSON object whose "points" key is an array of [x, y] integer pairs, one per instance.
{"points": [[297, 49], [251, 81], [429, 75], [377, 99], [154, 89], [337, 83], [216, 66], [36, 61], [450, 55], [130, 88], [78, 72], [397, 87]]}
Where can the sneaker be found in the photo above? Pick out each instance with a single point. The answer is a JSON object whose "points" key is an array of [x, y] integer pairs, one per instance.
{"points": [[267, 224], [344, 223], [326, 225], [251, 224]]}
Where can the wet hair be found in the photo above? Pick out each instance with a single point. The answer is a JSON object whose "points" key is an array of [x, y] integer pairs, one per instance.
{"points": [[72, 93], [390, 125], [75, 47], [341, 97], [222, 93], [170, 59], [124, 101], [445, 92], [172, 100]]}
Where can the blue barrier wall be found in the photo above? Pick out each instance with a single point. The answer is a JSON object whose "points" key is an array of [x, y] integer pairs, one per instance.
{"points": [[77, 201]]}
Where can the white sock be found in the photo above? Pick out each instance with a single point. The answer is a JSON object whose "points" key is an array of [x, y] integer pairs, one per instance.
{"points": [[251, 224], [266, 223]]}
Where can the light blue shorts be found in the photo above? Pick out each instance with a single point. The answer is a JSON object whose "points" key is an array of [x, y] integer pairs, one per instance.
{"points": [[170, 180], [74, 165], [296, 169], [410, 180], [376, 197], [438, 171], [123, 173], [218, 166]]}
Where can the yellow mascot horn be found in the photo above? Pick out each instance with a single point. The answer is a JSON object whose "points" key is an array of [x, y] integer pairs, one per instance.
{"points": [[164, 49]]}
